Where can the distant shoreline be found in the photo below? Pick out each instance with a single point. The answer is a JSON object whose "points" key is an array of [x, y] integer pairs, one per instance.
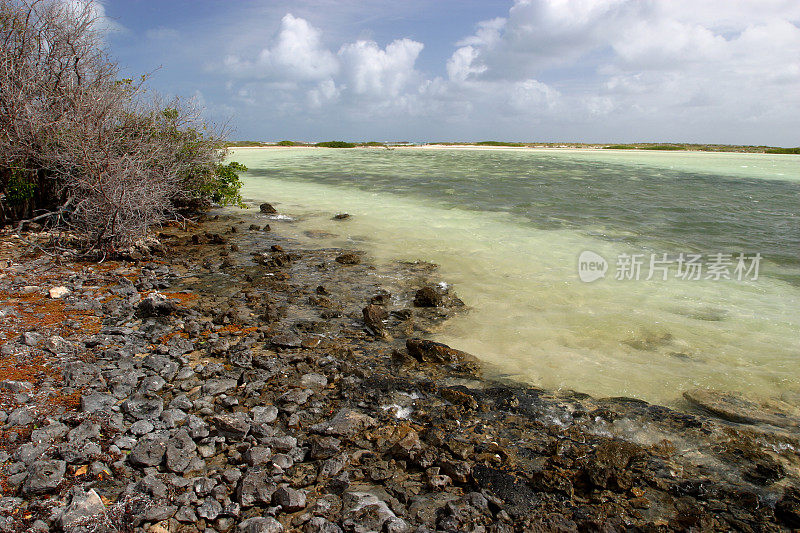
{"points": [[526, 148]]}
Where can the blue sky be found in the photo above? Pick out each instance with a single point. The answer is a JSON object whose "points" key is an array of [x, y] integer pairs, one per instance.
{"points": [[722, 71]]}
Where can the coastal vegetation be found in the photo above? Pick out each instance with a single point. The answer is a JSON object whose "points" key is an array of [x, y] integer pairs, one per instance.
{"points": [[335, 144], [85, 149], [783, 150]]}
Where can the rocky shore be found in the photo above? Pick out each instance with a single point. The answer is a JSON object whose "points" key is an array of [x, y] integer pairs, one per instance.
{"points": [[223, 378]]}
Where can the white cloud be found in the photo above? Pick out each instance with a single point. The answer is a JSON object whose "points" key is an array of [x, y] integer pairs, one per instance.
{"points": [[97, 12], [461, 65], [370, 70], [589, 69], [297, 54]]}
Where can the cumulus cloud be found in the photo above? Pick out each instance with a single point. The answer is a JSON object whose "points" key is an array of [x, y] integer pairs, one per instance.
{"points": [[297, 54], [373, 71], [97, 11], [643, 58], [670, 67]]}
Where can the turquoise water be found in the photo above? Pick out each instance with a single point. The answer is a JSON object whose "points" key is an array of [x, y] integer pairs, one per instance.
{"points": [[507, 227]]}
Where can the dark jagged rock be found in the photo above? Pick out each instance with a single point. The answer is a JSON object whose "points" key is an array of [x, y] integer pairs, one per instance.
{"points": [[156, 305], [348, 258], [428, 297], [44, 476], [267, 209], [434, 352]]}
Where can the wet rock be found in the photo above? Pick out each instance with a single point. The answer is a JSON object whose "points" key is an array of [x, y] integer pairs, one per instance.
{"points": [[289, 499], [155, 305], [267, 209], [428, 297], [85, 508], [787, 510], [374, 315], [434, 352], [459, 397], [340, 216], [44, 476], [261, 525], [734, 408], [348, 258], [347, 422]]}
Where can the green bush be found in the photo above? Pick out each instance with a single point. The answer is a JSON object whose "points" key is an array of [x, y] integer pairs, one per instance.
{"points": [[782, 150], [500, 143], [19, 188], [664, 147], [335, 144]]}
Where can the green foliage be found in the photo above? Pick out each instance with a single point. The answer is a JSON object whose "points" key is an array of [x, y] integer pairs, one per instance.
{"points": [[500, 143], [620, 147], [285, 143], [234, 144], [782, 150], [224, 186], [19, 188], [335, 144], [373, 144], [664, 147]]}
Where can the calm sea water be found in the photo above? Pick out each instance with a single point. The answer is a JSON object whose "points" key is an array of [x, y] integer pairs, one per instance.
{"points": [[507, 227]]}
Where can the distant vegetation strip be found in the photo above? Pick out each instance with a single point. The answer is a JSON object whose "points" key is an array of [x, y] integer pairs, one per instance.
{"points": [[325, 144], [628, 146]]}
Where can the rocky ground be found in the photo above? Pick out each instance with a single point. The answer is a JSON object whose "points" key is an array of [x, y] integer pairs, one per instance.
{"points": [[223, 379]]}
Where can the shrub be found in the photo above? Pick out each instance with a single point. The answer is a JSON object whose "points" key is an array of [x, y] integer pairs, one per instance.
{"points": [[99, 152], [500, 143], [782, 151], [285, 143], [335, 144]]}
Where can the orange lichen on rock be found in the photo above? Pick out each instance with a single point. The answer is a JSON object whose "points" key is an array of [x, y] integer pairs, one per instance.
{"points": [[182, 297], [34, 311]]}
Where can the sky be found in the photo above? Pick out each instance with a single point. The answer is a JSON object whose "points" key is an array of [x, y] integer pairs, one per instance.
{"points": [[709, 71]]}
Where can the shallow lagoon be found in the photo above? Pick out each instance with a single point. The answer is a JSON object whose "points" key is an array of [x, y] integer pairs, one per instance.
{"points": [[507, 227]]}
